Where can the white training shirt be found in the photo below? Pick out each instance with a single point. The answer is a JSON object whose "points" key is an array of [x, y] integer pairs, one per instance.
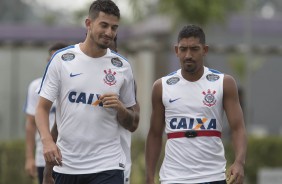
{"points": [[193, 105], [89, 136], [30, 108], [125, 141]]}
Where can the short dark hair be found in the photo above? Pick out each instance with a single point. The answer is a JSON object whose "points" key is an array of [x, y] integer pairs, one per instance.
{"points": [[106, 6], [192, 31], [57, 46]]}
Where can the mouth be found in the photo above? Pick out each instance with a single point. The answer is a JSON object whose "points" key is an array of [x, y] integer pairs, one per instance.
{"points": [[189, 62], [108, 39]]}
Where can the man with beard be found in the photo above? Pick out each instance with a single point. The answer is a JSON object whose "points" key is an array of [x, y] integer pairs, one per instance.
{"points": [[125, 139], [94, 91]]}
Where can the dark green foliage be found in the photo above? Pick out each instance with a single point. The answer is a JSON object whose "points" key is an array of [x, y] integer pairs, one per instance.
{"points": [[200, 11], [262, 152], [12, 160]]}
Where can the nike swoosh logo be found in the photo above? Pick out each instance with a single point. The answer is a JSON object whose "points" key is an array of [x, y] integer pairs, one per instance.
{"points": [[170, 100], [73, 75]]}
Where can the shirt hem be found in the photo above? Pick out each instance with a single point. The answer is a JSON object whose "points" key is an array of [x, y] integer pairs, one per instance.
{"points": [[195, 180], [79, 171]]}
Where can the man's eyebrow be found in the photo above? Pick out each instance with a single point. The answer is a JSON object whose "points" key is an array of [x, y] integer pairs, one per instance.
{"points": [[192, 46]]}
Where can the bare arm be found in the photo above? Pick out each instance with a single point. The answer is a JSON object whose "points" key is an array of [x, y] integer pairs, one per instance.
{"points": [[136, 114], [127, 117], [136, 110], [50, 150], [30, 128], [47, 174], [236, 121], [154, 138]]}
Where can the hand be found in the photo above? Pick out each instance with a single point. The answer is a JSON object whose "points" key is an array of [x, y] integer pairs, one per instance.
{"points": [[30, 168], [235, 174], [52, 153], [111, 101]]}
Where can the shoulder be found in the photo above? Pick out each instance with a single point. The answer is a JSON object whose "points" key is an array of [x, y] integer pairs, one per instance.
{"points": [[214, 71], [229, 84], [157, 83], [65, 54], [118, 60], [228, 79], [157, 89], [213, 75], [172, 78]]}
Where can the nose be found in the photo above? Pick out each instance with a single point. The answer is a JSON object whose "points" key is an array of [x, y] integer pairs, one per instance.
{"points": [[188, 54], [109, 32]]}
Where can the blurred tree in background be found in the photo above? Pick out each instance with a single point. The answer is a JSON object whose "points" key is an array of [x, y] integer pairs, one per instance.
{"points": [[30, 12], [199, 11], [15, 11]]}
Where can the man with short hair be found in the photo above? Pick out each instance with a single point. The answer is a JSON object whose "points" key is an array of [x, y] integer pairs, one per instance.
{"points": [[189, 105], [125, 139], [94, 91]]}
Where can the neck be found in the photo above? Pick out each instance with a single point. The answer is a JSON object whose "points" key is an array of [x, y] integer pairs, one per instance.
{"points": [[92, 50], [192, 77]]}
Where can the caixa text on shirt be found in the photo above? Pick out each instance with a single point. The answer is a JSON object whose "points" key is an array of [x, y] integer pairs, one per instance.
{"points": [[193, 123], [84, 98]]}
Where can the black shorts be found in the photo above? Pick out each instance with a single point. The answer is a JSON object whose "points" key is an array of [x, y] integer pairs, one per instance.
{"points": [[215, 182], [40, 174], [105, 177]]}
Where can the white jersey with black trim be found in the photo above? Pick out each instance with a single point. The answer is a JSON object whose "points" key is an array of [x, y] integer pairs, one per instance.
{"points": [[89, 136], [193, 106], [30, 107]]}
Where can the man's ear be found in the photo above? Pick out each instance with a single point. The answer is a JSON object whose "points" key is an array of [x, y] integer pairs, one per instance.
{"points": [[206, 49], [88, 23], [176, 49]]}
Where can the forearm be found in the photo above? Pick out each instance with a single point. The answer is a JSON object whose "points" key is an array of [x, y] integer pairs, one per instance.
{"points": [[239, 141], [42, 123], [126, 118], [152, 155], [48, 170]]}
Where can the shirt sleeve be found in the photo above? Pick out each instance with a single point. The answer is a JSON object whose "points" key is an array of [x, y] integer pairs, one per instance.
{"points": [[127, 91], [49, 88], [31, 98]]}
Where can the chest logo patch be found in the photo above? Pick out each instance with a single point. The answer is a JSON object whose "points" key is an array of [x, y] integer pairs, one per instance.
{"points": [[209, 98], [212, 77], [110, 78], [68, 56], [117, 62], [172, 80]]}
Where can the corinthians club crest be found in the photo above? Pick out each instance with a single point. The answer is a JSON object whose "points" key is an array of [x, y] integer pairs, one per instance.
{"points": [[209, 99], [110, 78]]}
